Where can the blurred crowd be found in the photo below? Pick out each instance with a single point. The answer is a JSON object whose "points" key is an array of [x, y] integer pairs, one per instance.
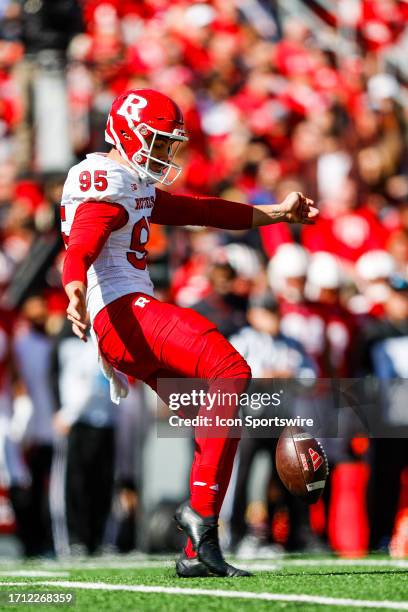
{"points": [[273, 102]]}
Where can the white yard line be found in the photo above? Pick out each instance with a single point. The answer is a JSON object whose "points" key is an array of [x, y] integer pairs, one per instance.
{"points": [[345, 562], [107, 564], [255, 564], [259, 566], [27, 573], [167, 562], [309, 599], [84, 564]]}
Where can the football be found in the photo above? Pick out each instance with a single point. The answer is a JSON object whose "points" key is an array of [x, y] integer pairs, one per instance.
{"points": [[301, 464]]}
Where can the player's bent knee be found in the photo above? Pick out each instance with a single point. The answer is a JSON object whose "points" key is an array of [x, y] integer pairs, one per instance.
{"points": [[232, 381], [237, 371]]}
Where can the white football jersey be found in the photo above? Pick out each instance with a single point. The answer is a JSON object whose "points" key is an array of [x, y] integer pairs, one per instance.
{"points": [[121, 266]]}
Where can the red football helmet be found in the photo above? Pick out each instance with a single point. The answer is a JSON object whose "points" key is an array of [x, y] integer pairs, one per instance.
{"points": [[137, 118]]}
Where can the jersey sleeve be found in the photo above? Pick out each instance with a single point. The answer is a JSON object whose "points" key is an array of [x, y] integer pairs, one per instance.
{"points": [[170, 209], [93, 223]]}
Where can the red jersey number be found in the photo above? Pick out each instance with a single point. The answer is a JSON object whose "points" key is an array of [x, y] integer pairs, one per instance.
{"points": [[140, 237], [100, 181]]}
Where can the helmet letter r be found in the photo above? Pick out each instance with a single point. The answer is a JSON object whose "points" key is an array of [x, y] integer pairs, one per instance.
{"points": [[141, 302], [131, 106]]}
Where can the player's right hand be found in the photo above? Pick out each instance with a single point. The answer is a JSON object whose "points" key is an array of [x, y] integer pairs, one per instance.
{"points": [[299, 209], [76, 311]]}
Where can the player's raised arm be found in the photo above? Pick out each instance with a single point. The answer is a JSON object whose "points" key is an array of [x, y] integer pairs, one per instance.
{"points": [[207, 211], [174, 209]]}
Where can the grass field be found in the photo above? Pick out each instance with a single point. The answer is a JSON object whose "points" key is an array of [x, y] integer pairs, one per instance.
{"points": [[146, 583]]}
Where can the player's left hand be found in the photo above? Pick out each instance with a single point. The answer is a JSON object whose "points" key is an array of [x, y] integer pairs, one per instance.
{"points": [[61, 427], [297, 208], [76, 311]]}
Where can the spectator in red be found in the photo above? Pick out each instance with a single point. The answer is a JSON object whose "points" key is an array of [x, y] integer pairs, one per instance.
{"points": [[345, 230]]}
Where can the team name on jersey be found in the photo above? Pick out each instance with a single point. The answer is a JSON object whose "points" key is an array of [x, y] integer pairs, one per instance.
{"points": [[141, 203]]}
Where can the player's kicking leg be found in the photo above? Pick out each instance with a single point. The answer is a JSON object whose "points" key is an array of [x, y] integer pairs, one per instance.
{"points": [[209, 479], [183, 342], [196, 349]]}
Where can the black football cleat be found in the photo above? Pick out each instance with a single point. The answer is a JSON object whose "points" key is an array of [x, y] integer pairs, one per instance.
{"points": [[203, 532], [191, 567]]}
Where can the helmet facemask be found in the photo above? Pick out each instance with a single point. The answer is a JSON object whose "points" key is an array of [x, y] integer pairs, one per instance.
{"points": [[144, 160]]}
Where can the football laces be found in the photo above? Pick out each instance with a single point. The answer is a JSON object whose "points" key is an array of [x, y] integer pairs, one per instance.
{"points": [[324, 457]]}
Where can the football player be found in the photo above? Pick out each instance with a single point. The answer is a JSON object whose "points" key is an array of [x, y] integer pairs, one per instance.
{"points": [[108, 204]]}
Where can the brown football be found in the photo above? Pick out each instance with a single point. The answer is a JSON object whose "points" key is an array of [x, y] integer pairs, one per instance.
{"points": [[301, 463]]}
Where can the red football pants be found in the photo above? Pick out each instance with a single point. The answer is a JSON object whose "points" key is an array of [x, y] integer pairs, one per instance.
{"points": [[148, 340]]}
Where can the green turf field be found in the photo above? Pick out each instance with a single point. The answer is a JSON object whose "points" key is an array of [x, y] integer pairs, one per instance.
{"points": [[149, 584]]}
